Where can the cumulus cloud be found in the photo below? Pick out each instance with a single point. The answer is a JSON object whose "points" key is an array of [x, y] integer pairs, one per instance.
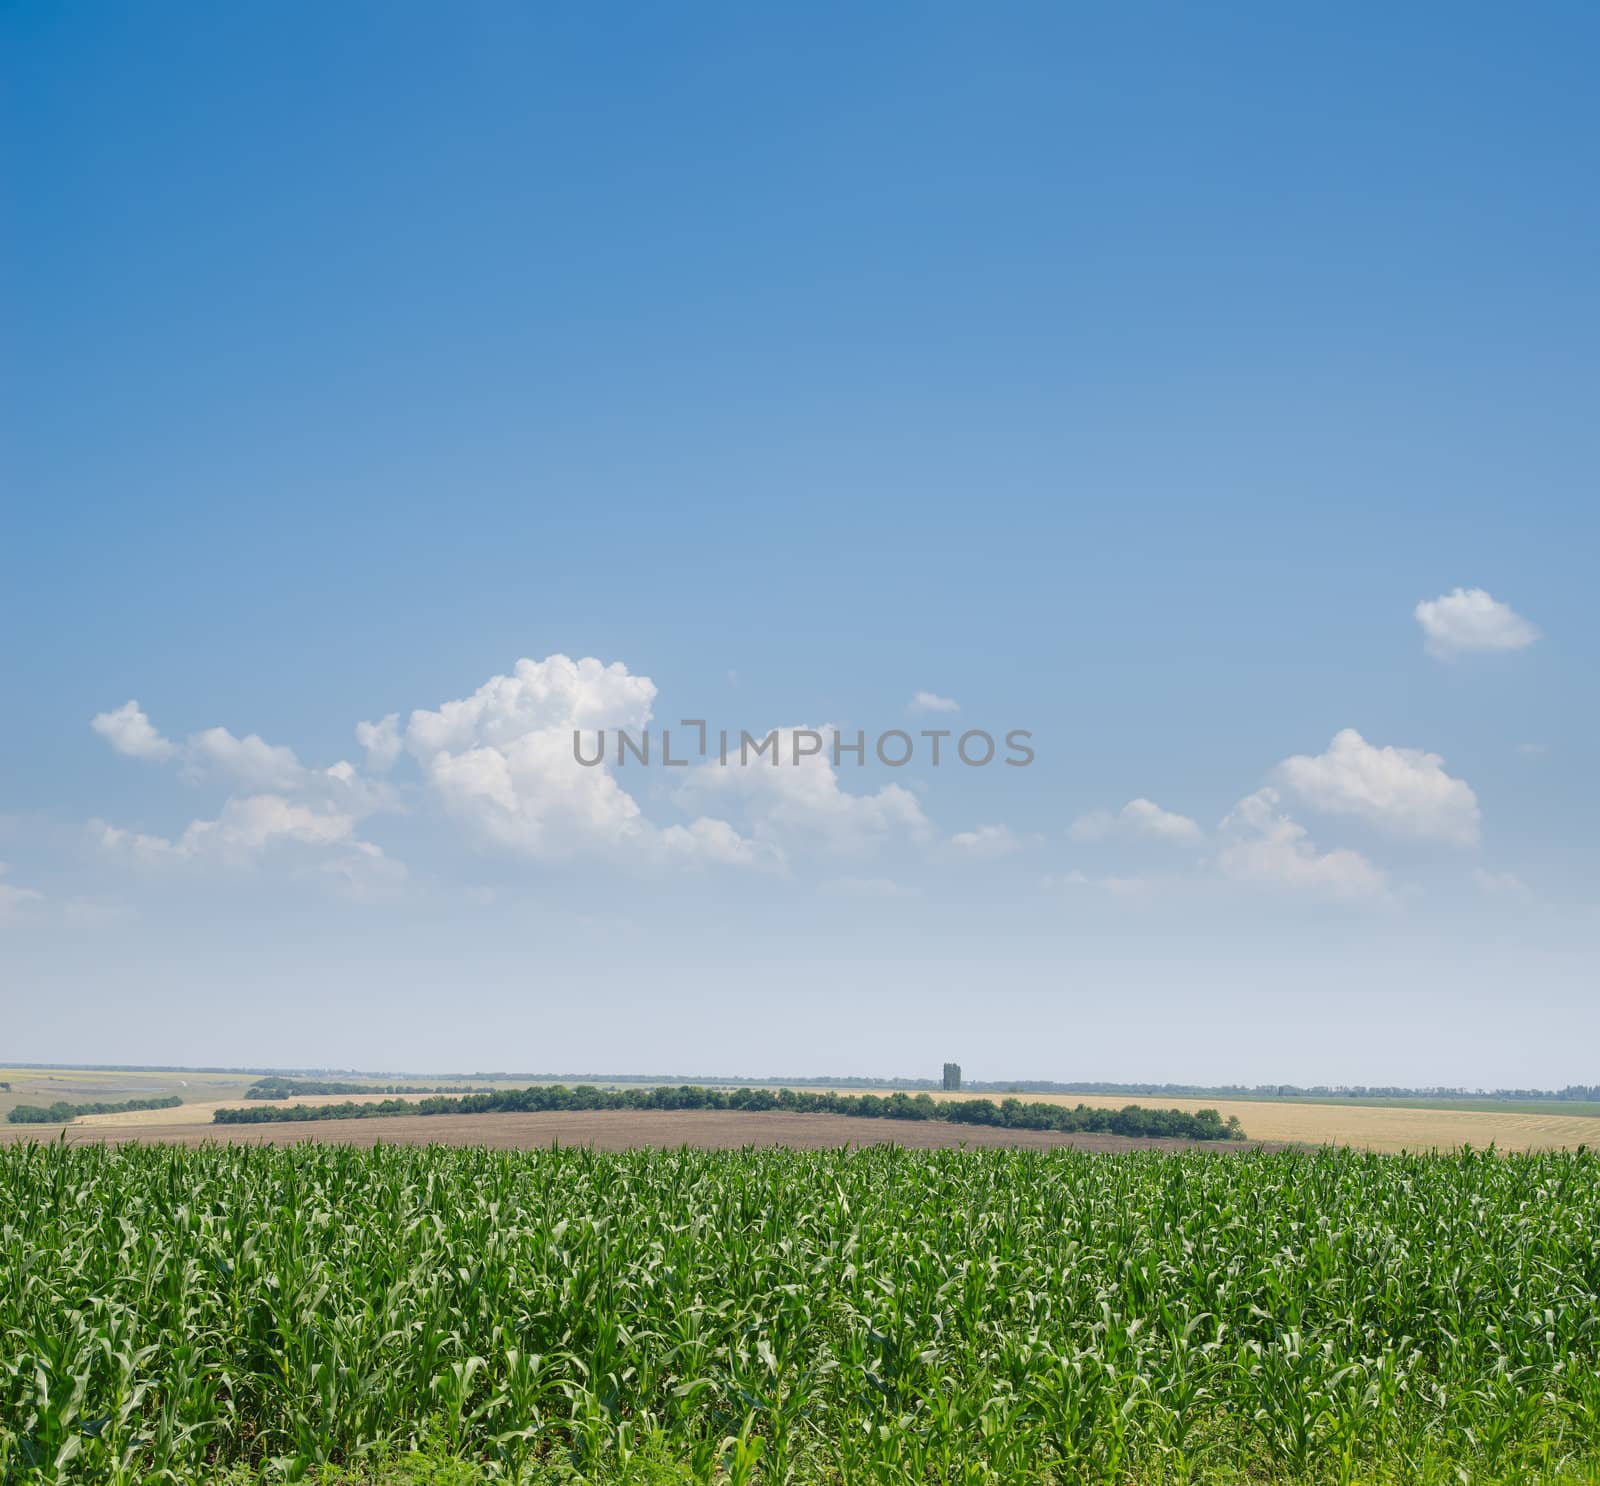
{"points": [[539, 696], [250, 761], [1471, 619], [1264, 845], [802, 804], [285, 809], [1401, 790], [502, 763], [1139, 817], [245, 827], [215, 754], [711, 842], [130, 732], [930, 701], [986, 842], [382, 741], [528, 794], [314, 841]]}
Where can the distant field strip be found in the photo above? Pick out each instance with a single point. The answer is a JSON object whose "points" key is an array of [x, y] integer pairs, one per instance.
{"points": [[1383, 1128], [1372, 1126], [203, 1112]]}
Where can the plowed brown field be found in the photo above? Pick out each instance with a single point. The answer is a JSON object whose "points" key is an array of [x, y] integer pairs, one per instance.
{"points": [[606, 1130]]}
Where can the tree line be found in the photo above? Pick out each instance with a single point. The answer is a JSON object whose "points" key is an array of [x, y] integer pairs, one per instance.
{"points": [[1013, 1114], [1572, 1093], [290, 1088], [61, 1112]]}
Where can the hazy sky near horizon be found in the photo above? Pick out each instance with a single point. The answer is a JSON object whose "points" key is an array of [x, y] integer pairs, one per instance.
{"points": [[386, 392]]}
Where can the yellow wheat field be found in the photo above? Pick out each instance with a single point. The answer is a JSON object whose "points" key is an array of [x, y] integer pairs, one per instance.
{"points": [[1375, 1128]]}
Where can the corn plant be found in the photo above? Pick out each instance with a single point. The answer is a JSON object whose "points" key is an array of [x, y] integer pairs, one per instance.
{"points": [[167, 1315]]}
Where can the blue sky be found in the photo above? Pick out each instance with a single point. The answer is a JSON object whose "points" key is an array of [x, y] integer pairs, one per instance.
{"points": [[1127, 375]]}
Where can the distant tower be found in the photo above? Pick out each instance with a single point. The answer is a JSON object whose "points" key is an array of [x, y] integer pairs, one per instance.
{"points": [[952, 1075]]}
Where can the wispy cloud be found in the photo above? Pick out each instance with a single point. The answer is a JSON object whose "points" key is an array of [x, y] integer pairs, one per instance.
{"points": [[1504, 885], [986, 843]]}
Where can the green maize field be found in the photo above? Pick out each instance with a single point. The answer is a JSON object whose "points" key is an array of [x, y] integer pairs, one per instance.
{"points": [[876, 1315]]}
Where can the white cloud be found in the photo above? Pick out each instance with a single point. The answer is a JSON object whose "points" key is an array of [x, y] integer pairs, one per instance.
{"points": [[96, 914], [929, 701], [1470, 619], [134, 847], [250, 760], [382, 741], [363, 873], [129, 731], [986, 843], [706, 842], [1265, 845], [866, 887], [315, 841], [13, 900], [289, 809], [1533, 750], [540, 696], [1506, 885], [257, 821], [502, 763], [261, 768], [245, 828], [1074, 878], [797, 804], [1139, 817], [524, 789], [1402, 790], [528, 794], [1118, 887]]}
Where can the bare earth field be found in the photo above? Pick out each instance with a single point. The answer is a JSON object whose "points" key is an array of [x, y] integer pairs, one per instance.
{"points": [[605, 1130]]}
